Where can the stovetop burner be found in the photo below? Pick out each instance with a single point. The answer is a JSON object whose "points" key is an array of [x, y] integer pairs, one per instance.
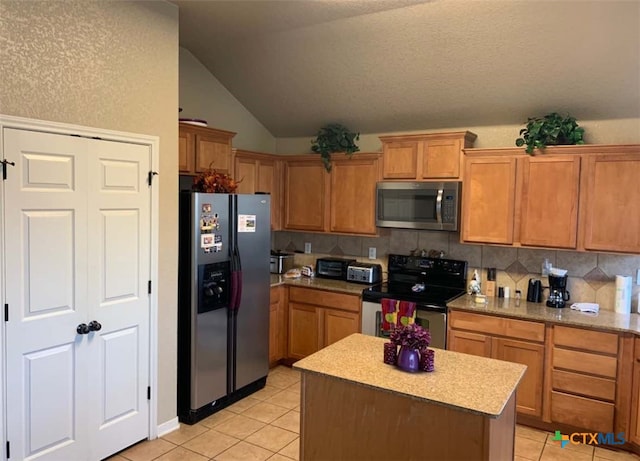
{"points": [[443, 281]]}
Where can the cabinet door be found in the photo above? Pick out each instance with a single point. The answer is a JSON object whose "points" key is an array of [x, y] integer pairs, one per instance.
{"points": [[488, 200], [529, 395], [353, 195], [611, 197], [246, 171], [469, 343], [269, 181], [277, 326], [400, 160], [338, 325], [304, 330], [549, 201], [186, 152], [441, 158], [213, 152], [635, 402], [306, 185]]}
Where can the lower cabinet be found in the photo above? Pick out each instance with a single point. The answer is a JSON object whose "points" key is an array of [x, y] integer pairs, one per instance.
{"points": [[318, 318], [634, 430], [511, 340], [583, 378], [277, 325]]}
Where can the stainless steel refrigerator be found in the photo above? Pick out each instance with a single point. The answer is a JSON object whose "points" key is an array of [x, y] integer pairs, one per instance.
{"points": [[223, 293]]}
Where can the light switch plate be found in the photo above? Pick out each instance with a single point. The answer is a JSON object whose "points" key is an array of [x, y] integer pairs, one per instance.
{"points": [[307, 247], [372, 253]]}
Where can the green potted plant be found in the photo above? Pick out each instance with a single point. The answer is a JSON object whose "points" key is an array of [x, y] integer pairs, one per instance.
{"points": [[550, 130], [334, 138]]}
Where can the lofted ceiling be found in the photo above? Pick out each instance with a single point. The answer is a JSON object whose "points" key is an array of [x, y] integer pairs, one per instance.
{"points": [[400, 65]]}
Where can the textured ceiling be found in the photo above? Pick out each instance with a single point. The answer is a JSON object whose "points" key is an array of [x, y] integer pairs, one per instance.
{"points": [[393, 65]]}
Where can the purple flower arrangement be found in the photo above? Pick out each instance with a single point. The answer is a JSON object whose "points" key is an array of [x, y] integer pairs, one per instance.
{"points": [[411, 336]]}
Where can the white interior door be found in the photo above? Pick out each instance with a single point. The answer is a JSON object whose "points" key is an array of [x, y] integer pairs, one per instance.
{"points": [[77, 249], [119, 255]]}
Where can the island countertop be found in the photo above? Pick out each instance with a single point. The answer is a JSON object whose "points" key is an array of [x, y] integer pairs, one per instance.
{"points": [[464, 382]]}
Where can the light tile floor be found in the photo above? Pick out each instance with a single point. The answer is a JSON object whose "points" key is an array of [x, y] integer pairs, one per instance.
{"points": [[266, 426]]}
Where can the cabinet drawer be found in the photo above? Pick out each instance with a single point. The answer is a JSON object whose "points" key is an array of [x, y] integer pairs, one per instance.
{"points": [[325, 298], [520, 329], [593, 341], [590, 386], [601, 365], [582, 412]]}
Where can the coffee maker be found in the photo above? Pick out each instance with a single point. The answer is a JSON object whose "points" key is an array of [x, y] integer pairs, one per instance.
{"points": [[558, 294]]}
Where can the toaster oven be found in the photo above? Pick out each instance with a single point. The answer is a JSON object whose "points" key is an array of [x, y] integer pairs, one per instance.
{"points": [[333, 268]]}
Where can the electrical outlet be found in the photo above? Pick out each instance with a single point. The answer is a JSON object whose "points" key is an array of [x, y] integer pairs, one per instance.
{"points": [[307, 247], [372, 253]]}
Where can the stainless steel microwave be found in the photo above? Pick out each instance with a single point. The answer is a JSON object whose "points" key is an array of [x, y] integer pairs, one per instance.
{"points": [[418, 205]]}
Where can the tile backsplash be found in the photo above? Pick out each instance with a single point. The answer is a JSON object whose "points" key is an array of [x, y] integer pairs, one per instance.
{"points": [[591, 275]]}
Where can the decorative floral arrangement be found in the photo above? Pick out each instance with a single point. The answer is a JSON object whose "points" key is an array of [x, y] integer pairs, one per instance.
{"points": [[212, 181], [412, 336]]}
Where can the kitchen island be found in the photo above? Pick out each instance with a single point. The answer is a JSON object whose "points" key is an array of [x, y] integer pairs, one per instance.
{"points": [[355, 407]]}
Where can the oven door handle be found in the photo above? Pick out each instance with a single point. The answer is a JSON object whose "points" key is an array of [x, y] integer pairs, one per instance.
{"points": [[379, 323], [432, 308]]}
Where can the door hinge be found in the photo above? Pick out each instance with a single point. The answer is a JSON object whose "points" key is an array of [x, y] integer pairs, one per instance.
{"points": [[150, 177], [6, 312], [149, 393], [149, 287], [8, 450], [6, 162]]}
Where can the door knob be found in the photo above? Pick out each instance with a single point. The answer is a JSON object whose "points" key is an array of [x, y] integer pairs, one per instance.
{"points": [[83, 329], [94, 325]]}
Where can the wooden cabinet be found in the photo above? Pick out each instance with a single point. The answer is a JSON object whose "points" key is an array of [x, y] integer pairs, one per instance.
{"points": [[610, 202], [306, 185], [200, 148], [513, 340], [634, 432], [342, 201], [549, 200], [488, 198], [352, 197], [318, 318], [572, 197], [258, 172], [583, 384], [425, 156], [277, 325]]}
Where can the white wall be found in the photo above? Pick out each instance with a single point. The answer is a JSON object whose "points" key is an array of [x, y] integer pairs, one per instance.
{"points": [[202, 96], [111, 65]]}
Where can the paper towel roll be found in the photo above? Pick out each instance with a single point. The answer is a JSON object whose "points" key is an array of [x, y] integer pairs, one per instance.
{"points": [[623, 294]]}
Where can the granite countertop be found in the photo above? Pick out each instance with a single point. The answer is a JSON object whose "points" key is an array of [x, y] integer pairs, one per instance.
{"points": [[320, 284], [465, 382], [604, 320]]}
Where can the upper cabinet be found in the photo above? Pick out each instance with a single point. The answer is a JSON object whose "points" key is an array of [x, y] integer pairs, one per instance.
{"points": [[200, 148], [342, 201], [572, 197], [425, 156], [260, 173]]}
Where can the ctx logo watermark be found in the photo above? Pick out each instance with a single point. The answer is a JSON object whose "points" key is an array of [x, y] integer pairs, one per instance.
{"points": [[589, 438]]}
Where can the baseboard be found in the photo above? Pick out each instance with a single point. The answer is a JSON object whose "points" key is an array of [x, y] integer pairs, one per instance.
{"points": [[168, 426]]}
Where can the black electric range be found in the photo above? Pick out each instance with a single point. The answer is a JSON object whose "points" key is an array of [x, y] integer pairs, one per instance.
{"points": [[429, 282]]}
